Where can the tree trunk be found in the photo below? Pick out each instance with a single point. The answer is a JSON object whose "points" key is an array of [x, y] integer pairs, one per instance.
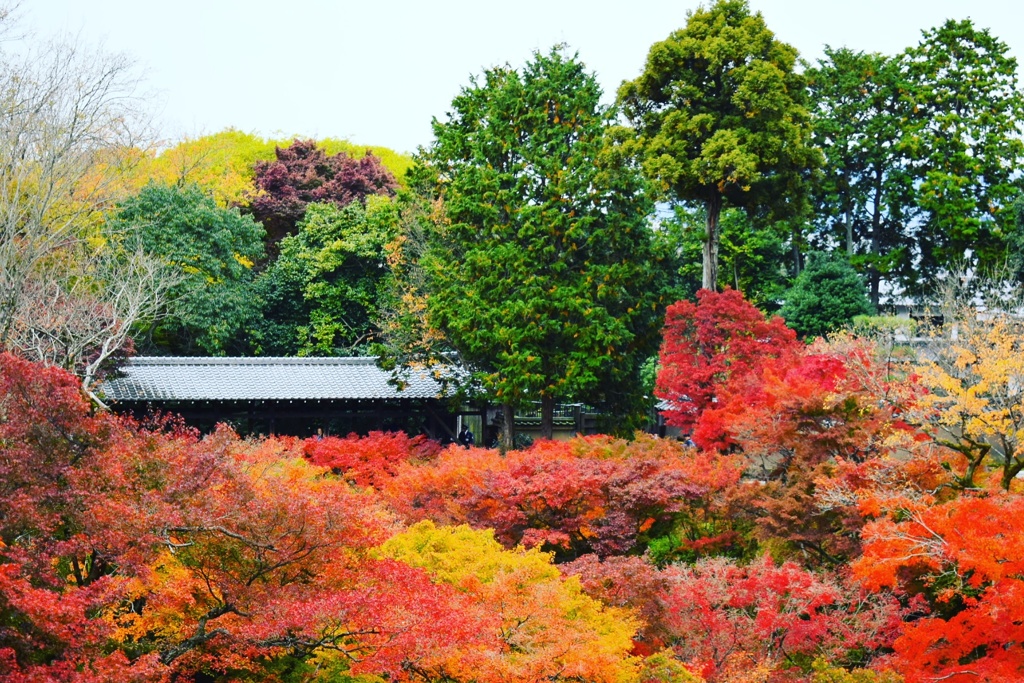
{"points": [[1009, 474], [709, 279], [796, 254], [849, 234], [547, 417], [847, 218], [874, 277], [1012, 465], [508, 427]]}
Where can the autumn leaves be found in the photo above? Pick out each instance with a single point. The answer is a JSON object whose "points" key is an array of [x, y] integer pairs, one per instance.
{"points": [[834, 524], [824, 531]]}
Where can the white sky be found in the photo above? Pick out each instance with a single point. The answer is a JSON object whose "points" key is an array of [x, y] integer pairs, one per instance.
{"points": [[376, 72]]}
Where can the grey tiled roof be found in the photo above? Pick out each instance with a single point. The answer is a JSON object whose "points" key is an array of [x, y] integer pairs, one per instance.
{"points": [[243, 379]]}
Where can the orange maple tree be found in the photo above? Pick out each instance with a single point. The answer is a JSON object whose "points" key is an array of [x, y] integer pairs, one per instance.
{"points": [[370, 460], [966, 555]]}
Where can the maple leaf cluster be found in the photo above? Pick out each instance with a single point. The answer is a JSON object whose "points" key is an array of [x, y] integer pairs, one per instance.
{"points": [[370, 460], [593, 494]]}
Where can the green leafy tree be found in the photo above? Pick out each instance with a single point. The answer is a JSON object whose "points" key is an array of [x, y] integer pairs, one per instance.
{"points": [[722, 119], [542, 274], [1015, 262], [864, 195], [965, 144], [323, 293], [826, 295], [283, 310], [213, 249]]}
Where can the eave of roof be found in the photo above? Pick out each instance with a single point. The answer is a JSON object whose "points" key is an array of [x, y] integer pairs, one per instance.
{"points": [[176, 378]]}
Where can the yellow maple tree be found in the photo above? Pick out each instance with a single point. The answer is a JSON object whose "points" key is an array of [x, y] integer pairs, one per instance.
{"points": [[974, 373], [549, 629]]}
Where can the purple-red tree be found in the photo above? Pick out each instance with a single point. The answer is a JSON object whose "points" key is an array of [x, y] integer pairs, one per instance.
{"points": [[303, 174]]}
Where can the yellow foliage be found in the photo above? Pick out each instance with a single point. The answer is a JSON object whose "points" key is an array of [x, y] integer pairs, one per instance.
{"points": [[825, 673], [396, 162], [664, 667], [174, 598], [549, 628], [975, 378], [245, 262], [221, 163], [454, 554]]}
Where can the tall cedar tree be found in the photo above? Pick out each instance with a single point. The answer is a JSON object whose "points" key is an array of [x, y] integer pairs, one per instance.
{"points": [[544, 277], [753, 256], [921, 150], [965, 144], [304, 174], [1015, 246], [864, 196], [721, 117]]}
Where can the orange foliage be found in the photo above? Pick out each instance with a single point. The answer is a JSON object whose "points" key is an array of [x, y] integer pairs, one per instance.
{"points": [[370, 460], [212, 554], [967, 554], [140, 552], [590, 494]]}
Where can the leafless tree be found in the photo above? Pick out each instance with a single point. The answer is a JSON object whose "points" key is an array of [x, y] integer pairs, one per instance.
{"points": [[69, 122], [79, 318]]}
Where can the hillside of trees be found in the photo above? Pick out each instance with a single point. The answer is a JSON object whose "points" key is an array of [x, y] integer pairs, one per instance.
{"points": [[721, 245]]}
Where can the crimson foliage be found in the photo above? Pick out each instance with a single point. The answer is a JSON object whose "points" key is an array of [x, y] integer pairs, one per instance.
{"points": [[710, 345], [720, 615], [370, 460], [303, 174]]}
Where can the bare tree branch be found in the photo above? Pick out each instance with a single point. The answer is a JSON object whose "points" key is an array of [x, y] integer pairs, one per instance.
{"points": [[68, 123]]}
